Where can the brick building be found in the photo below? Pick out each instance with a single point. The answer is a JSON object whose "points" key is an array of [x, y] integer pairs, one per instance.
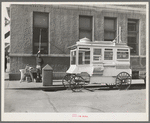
{"points": [[62, 25]]}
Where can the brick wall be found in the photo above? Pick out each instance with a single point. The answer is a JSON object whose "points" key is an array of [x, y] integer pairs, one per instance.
{"points": [[63, 32]]}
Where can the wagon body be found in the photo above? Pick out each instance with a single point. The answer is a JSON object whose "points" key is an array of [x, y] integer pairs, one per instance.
{"points": [[102, 60]]}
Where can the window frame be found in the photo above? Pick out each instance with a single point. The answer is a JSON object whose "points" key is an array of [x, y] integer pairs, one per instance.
{"points": [[84, 56], [127, 51], [114, 31], [35, 43], [134, 34], [108, 50], [73, 56], [100, 59], [84, 29]]}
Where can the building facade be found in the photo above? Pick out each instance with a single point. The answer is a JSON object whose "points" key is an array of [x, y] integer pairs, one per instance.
{"points": [[60, 26]]}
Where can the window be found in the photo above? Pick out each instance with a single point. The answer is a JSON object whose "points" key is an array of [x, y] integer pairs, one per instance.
{"points": [[84, 56], [40, 32], [122, 54], [85, 27], [97, 55], [73, 57], [133, 35], [109, 29], [135, 74], [108, 54]]}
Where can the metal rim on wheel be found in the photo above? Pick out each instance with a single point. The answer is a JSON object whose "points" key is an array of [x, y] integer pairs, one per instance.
{"points": [[123, 80], [66, 79], [77, 83]]}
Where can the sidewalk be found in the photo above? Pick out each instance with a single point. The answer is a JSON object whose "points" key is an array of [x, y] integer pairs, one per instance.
{"points": [[57, 84], [32, 85]]}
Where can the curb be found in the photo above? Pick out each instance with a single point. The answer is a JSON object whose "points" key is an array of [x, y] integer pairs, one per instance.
{"points": [[61, 87]]}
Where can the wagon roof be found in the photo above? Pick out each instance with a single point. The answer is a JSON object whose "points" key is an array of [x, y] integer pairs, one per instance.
{"points": [[99, 44]]}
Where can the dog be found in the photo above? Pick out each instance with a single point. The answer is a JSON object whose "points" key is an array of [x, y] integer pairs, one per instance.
{"points": [[26, 73]]}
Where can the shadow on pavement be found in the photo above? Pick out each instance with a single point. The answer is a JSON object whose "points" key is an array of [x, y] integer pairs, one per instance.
{"points": [[92, 89]]}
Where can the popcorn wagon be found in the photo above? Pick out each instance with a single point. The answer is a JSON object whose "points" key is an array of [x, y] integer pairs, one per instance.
{"points": [[98, 62]]}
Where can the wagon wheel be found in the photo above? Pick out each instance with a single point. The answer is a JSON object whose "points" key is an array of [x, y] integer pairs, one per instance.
{"points": [[76, 83], [123, 80], [66, 80]]}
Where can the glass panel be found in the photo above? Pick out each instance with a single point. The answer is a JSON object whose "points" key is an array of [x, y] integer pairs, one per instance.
{"points": [[84, 57], [44, 35], [109, 35], [85, 27], [80, 58], [135, 74], [87, 34], [131, 40], [131, 26], [73, 57], [87, 55], [41, 20], [109, 24], [97, 55], [96, 58], [132, 43], [97, 51], [44, 40], [85, 22], [40, 24], [108, 55], [109, 29], [133, 51], [87, 62], [122, 55]]}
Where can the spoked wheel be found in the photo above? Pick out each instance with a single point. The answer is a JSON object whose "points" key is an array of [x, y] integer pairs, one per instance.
{"points": [[66, 80], [77, 83], [123, 80]]}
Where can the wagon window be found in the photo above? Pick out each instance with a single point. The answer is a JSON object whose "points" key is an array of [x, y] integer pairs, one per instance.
{"points": [[84, 56], [97, 55], [73, 57], [108, 54], [122, 54]]}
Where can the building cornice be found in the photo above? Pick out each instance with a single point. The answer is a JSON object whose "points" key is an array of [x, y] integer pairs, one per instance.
{"points": [[98, 7]]}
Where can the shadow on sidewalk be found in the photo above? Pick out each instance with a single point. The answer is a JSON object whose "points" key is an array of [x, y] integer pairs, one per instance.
{"points": [[39, 88], [91, 89]]}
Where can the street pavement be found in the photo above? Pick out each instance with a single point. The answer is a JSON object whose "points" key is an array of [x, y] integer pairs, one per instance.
{"points": [[34, 97], [102, 101]]}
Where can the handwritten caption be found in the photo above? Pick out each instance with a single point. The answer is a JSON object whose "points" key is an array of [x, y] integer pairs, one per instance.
{"points": [[77, 115]]}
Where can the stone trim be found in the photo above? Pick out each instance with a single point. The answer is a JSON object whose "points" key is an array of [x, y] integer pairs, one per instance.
{"points": [[31, 55]]}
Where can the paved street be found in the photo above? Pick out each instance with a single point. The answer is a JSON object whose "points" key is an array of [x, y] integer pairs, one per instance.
{"points": [[17, 100]]}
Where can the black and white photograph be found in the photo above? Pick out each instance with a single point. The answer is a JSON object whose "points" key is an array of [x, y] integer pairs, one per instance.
{"points": [[75, 61]]}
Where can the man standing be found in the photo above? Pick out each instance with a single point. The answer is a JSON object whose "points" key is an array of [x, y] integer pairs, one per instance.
{"points": [[39, 63]]}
